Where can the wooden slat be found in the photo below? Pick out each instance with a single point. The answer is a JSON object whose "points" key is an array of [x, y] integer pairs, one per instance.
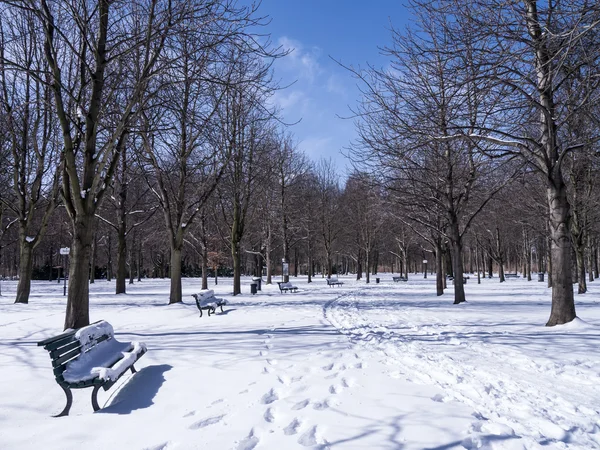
{"points": [[58, 337], [66, 357], [60, 342], [57, 353]]}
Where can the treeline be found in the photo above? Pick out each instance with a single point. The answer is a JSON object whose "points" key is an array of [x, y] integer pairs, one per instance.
{"points": [[482, 98], [143, 136]]}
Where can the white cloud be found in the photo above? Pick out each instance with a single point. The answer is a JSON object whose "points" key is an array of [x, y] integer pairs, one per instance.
{"points": [[302, 61]]}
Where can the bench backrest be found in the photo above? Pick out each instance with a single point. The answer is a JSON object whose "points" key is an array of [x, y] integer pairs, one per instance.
{"points": [[67, 346]]}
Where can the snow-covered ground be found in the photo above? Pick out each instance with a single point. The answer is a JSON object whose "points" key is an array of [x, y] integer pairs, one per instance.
{"points": [[380, 366]]}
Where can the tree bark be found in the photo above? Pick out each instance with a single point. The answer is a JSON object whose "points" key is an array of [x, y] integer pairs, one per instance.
{"points": [[25, 271], [235, 255], [121, 260], [77, 314], [563, 303], [439, 269], [175, 294]]}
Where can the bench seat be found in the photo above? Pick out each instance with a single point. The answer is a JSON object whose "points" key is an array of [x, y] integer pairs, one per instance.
{"points": [[397, 279]]}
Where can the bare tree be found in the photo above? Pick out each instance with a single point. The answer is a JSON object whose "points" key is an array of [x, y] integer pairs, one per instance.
{"points": [[25, 102]]}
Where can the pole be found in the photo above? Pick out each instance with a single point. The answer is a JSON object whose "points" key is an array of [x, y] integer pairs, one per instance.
{"points": [[65, 275]]}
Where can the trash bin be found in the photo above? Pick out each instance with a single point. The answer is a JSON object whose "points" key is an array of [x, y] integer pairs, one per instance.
{"points": [[253, 287], [540, 276], [258, 281], [377, 280]]}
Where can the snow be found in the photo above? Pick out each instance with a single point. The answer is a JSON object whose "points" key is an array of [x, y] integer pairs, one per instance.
{"points": [[96, 361], [379, 366], [29, 239]]}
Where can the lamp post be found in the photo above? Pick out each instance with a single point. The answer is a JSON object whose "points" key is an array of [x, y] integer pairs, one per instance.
{"points": [[424, 268], [282, 269], [65, 252]]}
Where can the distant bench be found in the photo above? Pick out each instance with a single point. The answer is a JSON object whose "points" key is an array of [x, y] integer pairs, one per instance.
{"points": [[287, 286], [90, 357], [333, 281], [511, 275], [465, 278], [396, 279], [206, 300]]}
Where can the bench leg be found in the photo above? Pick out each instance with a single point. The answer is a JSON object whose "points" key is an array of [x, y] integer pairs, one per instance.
{"points": [[221, 308], [65, 411], [133, 369], [208, 312], [95, 398], [200, 313]]}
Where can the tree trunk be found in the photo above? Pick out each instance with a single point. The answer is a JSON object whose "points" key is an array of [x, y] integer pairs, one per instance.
{"points": [[235, 255], [595, 257], [367, 266], [549, 259], [175, 295], [77, 314], [93, 259], [580, 259], [121, 261], [439, 270], [590, 258], [459, 288], [563, 303], [204, 267], [25, 271]]}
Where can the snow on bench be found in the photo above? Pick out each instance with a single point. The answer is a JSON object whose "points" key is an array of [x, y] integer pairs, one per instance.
{"points": [[287, 286], [396, 279], [206, 300], [90, 357], [333, 281]]}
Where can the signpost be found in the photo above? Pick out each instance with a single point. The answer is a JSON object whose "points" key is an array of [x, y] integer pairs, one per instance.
{"points": [[65, 252], [425, 268]]}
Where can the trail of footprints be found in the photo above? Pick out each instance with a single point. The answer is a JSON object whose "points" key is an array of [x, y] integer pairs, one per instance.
{"points": [[298, 427]]}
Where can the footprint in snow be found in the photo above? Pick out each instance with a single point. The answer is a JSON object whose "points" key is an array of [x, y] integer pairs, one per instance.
{"points": [[301, 405], [270, 415], [163, 446], [311, 437], [270, 397], [328, 367], [250, 442], [206, 422], [438, 398], [216, 402], [320, 406], [296, 379], [283, 380], [263, 353], [272, 362], [245, 391], [334, 389], [190, 414], [267, 370], [293, 427], [348, 382]]}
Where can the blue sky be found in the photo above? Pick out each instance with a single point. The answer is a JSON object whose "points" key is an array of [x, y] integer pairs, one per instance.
{"points": [[348, 31]]}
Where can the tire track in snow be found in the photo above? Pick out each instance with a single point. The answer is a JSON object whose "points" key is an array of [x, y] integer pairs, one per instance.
{"points": [[503, 386]]}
